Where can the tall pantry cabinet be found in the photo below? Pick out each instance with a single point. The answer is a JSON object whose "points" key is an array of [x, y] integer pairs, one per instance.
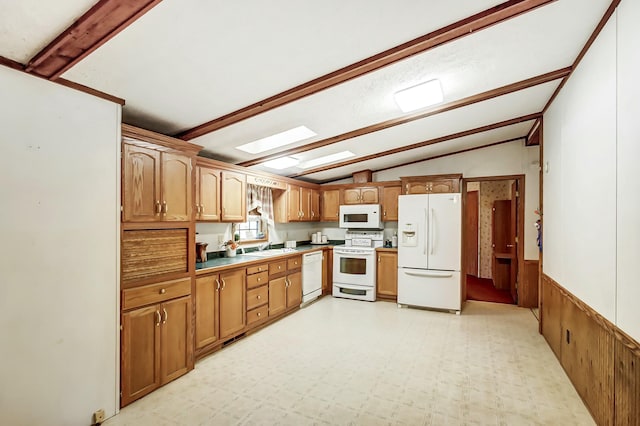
{"points": [[157, 257]]}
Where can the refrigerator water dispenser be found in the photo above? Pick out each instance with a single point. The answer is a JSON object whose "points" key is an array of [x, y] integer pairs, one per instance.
{"points": [[409, 235]]}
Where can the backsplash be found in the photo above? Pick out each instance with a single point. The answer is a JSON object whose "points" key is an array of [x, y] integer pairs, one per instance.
{"points": [[214, 234]]}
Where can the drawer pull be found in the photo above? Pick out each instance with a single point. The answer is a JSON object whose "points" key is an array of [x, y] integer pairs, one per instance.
{"points": [[163, 291], [258, 297], [258, 278], [259, 313], [279, 267]]}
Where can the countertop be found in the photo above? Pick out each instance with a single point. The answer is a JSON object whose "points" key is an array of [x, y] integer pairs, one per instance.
{"points": [[222, 263]]}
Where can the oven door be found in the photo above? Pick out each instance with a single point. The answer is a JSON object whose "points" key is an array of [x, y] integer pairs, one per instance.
{"points": [[354, 267]]}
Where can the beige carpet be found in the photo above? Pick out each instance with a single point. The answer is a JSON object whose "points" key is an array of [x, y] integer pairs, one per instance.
{"points": [[342, 362]]}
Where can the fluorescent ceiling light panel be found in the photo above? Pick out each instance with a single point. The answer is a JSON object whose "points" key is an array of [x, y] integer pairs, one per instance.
{"points": [[419, 96], [326, 159], [281, 163], [287, 137]]}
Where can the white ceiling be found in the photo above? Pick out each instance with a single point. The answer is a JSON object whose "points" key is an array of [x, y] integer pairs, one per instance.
{"points": [[186, 62]]}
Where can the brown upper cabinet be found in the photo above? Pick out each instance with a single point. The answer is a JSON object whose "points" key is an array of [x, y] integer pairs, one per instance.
{"points": [[434, 184], [220, 195], [390, 202], [330, 205], [303, 204], [156, 185], [361, 195]]}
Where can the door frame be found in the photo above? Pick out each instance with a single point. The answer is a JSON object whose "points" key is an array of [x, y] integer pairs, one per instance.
{"points": [[519, 228]]}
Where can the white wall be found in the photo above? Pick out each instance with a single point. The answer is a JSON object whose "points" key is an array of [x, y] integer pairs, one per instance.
{"points": [[511, 158], [628, 197], [591, 194], [58, 253]]}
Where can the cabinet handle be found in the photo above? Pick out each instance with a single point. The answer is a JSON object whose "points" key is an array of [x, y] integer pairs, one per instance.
{"points": [[166, 316], [201, 208], [259, 313], [223, 283], [258, 297], [378, 259], [218, 284], [158, 318], [164, 207], [158, 207], [163, 291]]}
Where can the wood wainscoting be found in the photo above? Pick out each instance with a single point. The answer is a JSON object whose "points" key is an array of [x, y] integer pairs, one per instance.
{"points": [[602, 362], [528, 288]]}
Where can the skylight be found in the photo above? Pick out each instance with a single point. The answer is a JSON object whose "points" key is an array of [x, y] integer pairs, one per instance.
{"points": [[326, 159], [281, 163], [287, 137], [419, 96]]}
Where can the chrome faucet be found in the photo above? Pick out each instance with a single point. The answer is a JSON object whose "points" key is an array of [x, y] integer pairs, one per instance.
{"points": [[264, 246]]}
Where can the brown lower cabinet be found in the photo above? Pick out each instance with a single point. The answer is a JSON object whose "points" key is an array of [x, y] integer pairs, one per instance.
{"points": [[156, 346], [232, 302], [387, 275], [285, 285]]}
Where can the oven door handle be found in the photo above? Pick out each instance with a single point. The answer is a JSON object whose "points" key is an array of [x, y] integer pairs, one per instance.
{"points": [[349, 253]]}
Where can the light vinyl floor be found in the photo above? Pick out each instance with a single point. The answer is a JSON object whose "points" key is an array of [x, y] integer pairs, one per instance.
{"points": [[344, 362]]}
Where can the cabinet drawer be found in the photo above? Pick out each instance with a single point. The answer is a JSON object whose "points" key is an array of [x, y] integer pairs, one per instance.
{"points": [[257, 268], [257, 314], [257, 279], [257, 296], [154, 293], [277, 267], [294, 262]]}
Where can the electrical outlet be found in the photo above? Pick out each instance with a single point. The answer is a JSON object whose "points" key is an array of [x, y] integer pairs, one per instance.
{"points": [[98, 417]]}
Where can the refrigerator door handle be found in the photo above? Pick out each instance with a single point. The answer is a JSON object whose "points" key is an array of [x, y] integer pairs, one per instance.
{"points": [[432, 220], [426, 232], [433, 274]]}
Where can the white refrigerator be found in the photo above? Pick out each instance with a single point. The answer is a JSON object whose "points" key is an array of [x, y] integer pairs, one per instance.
{"points": [[429, 251]]}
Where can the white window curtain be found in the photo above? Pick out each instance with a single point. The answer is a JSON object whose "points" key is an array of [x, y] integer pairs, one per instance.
{"points": [[260, 202]]}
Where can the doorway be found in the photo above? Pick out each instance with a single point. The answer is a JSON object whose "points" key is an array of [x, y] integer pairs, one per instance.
{"points": [[491, 235]]}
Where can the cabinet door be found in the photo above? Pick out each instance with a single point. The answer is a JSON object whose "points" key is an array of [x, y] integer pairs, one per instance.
{"points": [[140, 359], [141, 184], [305, 204], [417, 187], [390, 202], [294, 290], [369, 195], [176, 187], [387, 276], [352, 196], [209, 194], [293, 203], [232, 302], [277, 296], [206, 300], [445, 186], [330, 205], [177, 347], [233, 196], [315, 205]]}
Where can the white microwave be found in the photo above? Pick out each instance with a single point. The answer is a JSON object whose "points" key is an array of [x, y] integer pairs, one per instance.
{"points": [[360, 216]]}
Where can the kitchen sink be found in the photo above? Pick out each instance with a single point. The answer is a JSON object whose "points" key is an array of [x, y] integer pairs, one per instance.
{"points": [[270, 252]]}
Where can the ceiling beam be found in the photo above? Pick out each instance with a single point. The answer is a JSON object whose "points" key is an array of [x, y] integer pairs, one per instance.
{"points": [[98, 25], [605, 18], [533, 137], [480, 97], [422, 144], [457, 30], [11, 63]]}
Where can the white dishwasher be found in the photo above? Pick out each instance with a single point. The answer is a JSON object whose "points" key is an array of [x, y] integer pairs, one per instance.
{"points": [[311, 276]]}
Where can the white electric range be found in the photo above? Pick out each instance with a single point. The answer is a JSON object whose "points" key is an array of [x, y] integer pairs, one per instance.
{"points": [[354, 265]]}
